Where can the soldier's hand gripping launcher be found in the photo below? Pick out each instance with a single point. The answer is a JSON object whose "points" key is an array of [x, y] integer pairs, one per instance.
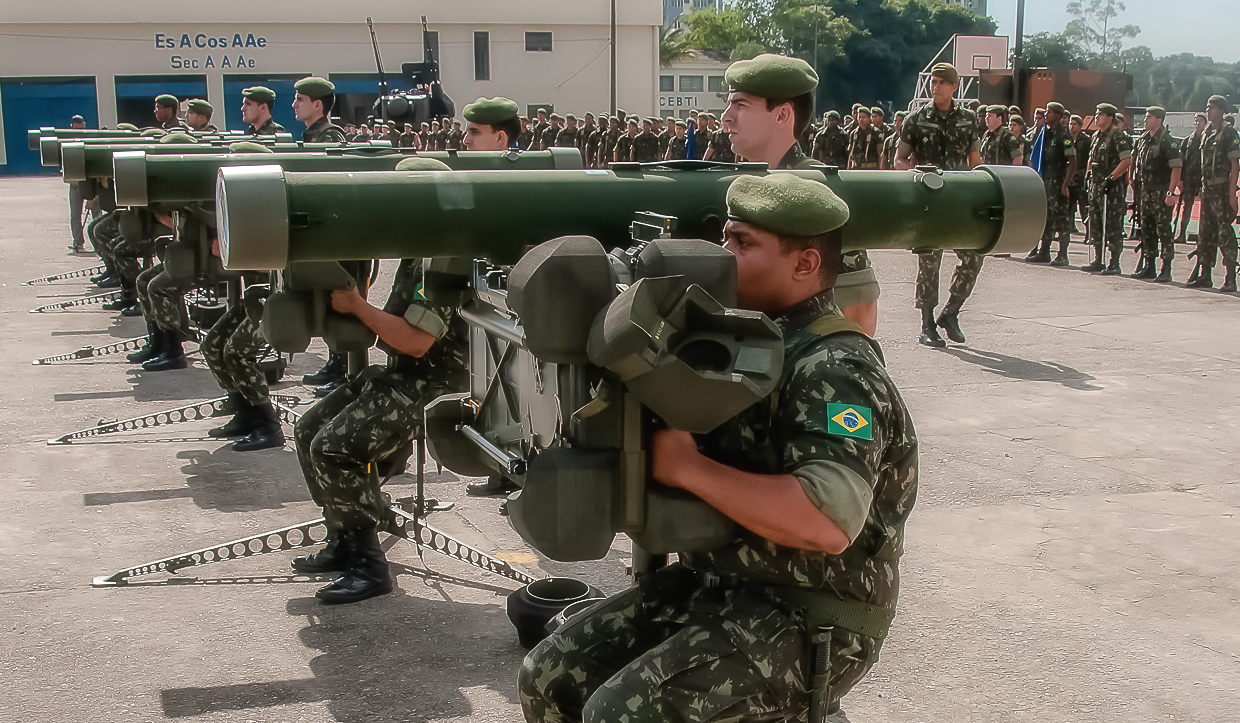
{"points": [[572, 349]]}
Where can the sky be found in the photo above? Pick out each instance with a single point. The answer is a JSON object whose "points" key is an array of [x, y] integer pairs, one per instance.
{"points": [[1202, 27]]}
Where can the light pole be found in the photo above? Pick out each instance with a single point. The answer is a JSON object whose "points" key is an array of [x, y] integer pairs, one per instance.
{"points": [[613, 57], [1017, 59]]}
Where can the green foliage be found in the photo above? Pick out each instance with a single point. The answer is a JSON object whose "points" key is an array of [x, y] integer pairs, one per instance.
{"points": [[1094, 31], [674, 45], [1053, 50]]}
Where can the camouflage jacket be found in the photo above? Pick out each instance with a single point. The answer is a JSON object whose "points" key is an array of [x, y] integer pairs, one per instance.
{"points": [[323, 131], [837, 423], [567, 138], [864, 147], [1109, 147], [941, 138], [646, 148], [607, 144], [1058, 149], [624, 148], [1000, 147], [1156, 156], [1218, 149], [665, 140], [722, 146], [889, 151], [678, 149], [454, 139], [448, 359], [831, 147], [270, 128], [1084, 144], [701, 141], [525, 139], [550, 133]]}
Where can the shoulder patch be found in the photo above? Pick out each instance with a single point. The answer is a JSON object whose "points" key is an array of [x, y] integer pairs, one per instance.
{"points": [[849, 420]]}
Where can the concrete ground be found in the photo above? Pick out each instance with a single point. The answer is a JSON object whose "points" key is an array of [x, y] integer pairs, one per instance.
{"points": [[1070, 558]]}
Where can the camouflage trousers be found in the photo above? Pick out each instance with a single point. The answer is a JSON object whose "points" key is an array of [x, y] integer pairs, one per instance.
{"points": [[1216, 231], [1078, 203], [128, 255], [232, 349], [163, 300], [1114, 218], [671, 650], [1058, 210], [77, 204], [342, 437], [1156, 238], [103, 235], [963, 279]]}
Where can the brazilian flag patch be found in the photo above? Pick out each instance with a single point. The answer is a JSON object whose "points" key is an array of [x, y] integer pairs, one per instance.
{"points": [[847, 420]]}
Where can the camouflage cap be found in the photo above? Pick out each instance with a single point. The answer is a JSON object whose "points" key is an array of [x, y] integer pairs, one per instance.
{"points": [[1107, 108], [785, 204], [422, 164], [1057, 107], [1219, 101], [314, 87], [167, 101], [127, 127], [945, 71], [833, 114], [490, 111], [259, 94], [878, 111], [1157, 111], [248, 147], [177, 137], [772, 76], [199, 106]]}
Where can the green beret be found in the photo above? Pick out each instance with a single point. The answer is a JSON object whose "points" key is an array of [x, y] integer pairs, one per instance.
{"points": [[177, 137], [862, 109], [422, 164], [1017, 119], [1119, 116], [1157, 111], [153, 132], [555, 116], [878, 111], [77, 119], [833, 114], [490, 111], [999, 110], [248, 147], [633, 121], [1040, 111], [1077, 118], [856, 107], [260, 94], [167, 101], [785, 204], [1014, 109], [681, 124], [1219, 101], [314, 87], [199, 106], [126, 127], [1057, 107], [772, 76], [707, 115], [1202, 116], [571, 117], [974, 104], [521, 118], [945, 71], [901, 114], [1107, 108]]}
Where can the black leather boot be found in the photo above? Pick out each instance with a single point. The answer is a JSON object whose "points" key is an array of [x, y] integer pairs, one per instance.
{"points": [[172, 357], [127, 300], [335, 369], [328, 388], [1146, 269], [929, 331], [265, 432], [135, 310], [1203, 280], [1229, 283], [334, 557], [367, 574], [494, 485], [1192, 278], [1042, 254], [1112, 268], [242, 422], [1164, 273], [1096, 265], [151, 349], [105, 274], [108, 281], [949, 321], [1061, 259]]}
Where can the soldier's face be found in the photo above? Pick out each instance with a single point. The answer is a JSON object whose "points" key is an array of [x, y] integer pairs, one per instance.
{"points": [[749, 124], [164, 114], [1215, 114], [833, 122], [1054, 118], [77, 125], [863, 120], [1075, 126], [195, 120], [1102, 121], [765, 273], [1152, 123], [942, 91], [251, 112], [480, 137], [680, 131], [1199, 124], [1016, 128], [993, 121], [572, 123], [305, 109]]}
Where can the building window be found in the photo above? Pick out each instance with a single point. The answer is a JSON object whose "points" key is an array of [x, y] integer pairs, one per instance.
{"points": [[482, 55], [667, 84], [432, 43], [690, 84], [538, 42], [716, 84]]}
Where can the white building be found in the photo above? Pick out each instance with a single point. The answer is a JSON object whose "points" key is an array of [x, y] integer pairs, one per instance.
{"points": [[977, 6], [695, 83], [108, 61], [673, 9]]}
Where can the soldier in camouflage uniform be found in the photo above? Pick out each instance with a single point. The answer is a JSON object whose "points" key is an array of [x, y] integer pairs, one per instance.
{"points": [[943, 134], [624, 145], [313, 102], [1190, 155], [646, 144], [585, 137], [1016, 125], [831, 145], [1220, 165], [726, 634], [1078, 201], [721, 147], [569, 135], [677, 149], [198, 116], [166, 107], [536, 131], [999, 146], [527, 135], [424, 137], [454, 136], [892, 141], [664, 133], [607, 145], [551, 132], [256, 105], [702, 134], [1110, 158], [865, 143], [341, 440], [1158, 165], [1058, 165]]}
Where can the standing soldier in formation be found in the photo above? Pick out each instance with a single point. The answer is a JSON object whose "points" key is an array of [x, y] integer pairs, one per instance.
{"points": [[999, 146], [409, 139], [454, 136], [677, 149], [166, 107], [568, 136], [1058, 166], [892, 141], [1078, 201], [624, 146], [436, 137], [943, 134], [663, 132], [878, 120], [1158, 165], [832, 143], [607, 145], [551, 132], [256, 105], [313, 102], [536, 132], [865, 143], [586, 130], [1016, 124], [702, 134], [198, 116], [1220, 164], [646, 144], [1190, 154], [424, 137], [1110, 158], [721, 146], [523, 140]]}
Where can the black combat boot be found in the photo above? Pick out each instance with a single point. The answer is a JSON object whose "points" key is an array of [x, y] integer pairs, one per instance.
{"points": [[126, 300], [135, 310], [242, 422], [1192, 278], [367, 574], [1203, 280], [949, 321], [334, 557], [1164, 273], [929, 331], [1146, 269], [335, 369], [151, 349], [1096, 265], [329, 387], [105, 274], [494, 485], [172, 356], [1112, 268], [1061, 259], [1042, 254], [265, 433], [1229, 283]]}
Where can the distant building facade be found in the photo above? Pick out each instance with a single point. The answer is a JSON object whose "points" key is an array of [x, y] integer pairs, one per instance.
{"points": [[977, 6], [695, 83], [673, 9]]}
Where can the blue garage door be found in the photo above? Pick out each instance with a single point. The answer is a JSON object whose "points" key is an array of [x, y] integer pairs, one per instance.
{"points": [[282, 109], [38, 102], [135, 94]]}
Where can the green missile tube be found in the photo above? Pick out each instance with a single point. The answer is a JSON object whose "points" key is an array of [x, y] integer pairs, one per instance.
{"points": [[142, 178], [268, 218], [84, 161], [51, 149], [35, 135]]}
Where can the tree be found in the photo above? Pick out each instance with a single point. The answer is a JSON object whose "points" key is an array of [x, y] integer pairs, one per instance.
{"points": [[674, 45], [1096, 35], [1053, 50]]}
